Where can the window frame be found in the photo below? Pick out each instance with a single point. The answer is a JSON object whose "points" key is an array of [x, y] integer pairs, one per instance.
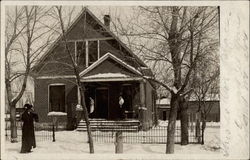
{"points": [[57, 84], [87, 62]]}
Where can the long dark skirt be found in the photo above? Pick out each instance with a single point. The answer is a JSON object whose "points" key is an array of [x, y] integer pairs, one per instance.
{"points": [[28, 134]]}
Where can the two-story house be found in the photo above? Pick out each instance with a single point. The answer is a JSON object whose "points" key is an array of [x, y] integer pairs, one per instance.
{"points": [[108, 70]]}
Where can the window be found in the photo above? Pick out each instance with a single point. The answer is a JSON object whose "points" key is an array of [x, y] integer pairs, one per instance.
{"points": [[86, 52], [80, 56], [92, 51], [57, 98]]}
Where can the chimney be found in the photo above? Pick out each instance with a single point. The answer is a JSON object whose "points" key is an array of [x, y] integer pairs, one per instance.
{"points": [[106, 19]]}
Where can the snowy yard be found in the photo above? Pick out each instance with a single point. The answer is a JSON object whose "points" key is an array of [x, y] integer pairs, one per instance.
{"points": [[73, 144]]}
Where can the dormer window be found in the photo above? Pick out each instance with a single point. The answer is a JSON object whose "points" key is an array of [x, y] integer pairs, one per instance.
{"points": [[87, 52]]}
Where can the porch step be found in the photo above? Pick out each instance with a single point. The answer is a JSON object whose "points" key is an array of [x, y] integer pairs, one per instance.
{"points": [[110, 125]]}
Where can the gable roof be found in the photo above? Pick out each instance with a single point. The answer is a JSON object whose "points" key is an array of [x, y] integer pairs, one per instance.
{"points": [[105, 57], [83, 12]]}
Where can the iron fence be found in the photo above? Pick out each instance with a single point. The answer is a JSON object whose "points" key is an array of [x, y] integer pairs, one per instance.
{"points": [[43, 132], [155, 135]]}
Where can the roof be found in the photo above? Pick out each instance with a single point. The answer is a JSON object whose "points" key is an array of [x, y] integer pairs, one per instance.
{"points": [[107, 75], [105, 57], [84, 11], [166, 101]]}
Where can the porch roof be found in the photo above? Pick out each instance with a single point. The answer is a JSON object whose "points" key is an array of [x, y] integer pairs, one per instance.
{"points": [[104, 58], [110, 68], [100, 77]]}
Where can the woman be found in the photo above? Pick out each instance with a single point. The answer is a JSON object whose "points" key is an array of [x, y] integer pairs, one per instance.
{"points": [[28, 134]]}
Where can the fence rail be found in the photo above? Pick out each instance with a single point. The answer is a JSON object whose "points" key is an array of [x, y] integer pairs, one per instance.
{"points": [[156, 135], [42, 132]]}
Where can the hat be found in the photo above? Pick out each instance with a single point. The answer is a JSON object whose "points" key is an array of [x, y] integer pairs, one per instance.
{"points": [[27, 106]]}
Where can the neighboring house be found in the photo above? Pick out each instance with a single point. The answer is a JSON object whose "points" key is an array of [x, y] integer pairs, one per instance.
{"points": [[108, 69], [163, 108], [27, 97]]}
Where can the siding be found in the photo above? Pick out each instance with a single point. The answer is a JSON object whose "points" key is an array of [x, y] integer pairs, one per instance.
{"points": [[41, 96]]}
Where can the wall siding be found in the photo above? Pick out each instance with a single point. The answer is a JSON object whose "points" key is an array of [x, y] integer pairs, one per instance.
{"points": [[41, 97]]}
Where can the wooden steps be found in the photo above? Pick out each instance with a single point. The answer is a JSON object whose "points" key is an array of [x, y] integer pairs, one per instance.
{"points": [[110, 125]]}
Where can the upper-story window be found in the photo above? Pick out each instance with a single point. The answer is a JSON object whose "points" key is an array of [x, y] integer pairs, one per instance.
{"points": [[86, 52], [80, 56], [93, 51]]}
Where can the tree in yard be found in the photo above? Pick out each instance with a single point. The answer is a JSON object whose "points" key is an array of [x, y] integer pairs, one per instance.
{"points": [[205, 83], [23, 45], [58, 13], [174, 40]]}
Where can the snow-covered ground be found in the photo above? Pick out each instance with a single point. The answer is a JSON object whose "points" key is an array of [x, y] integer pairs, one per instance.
{"points": [[73, 145]]}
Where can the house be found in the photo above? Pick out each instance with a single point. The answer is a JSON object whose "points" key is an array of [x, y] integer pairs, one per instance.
{"points": [[108, 70], [163, 109]]}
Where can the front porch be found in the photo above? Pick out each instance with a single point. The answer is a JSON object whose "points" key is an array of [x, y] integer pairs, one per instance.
{"points": [[102, 100], [116, 91]]}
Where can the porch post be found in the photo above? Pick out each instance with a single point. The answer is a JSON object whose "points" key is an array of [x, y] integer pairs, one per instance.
{"points": [[142, 108], [78, 95], [78, 112]]}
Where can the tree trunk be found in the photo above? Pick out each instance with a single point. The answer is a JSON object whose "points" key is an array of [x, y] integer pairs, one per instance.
{"points": [[198, 130], [203, 130], [171, 123], [86, 118], [184, 122], [13, 126]]}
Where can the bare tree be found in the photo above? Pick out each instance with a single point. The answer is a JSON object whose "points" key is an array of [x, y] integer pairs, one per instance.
{"points": [[22, 48], [174, 39], [205, 83], [58, 10]]}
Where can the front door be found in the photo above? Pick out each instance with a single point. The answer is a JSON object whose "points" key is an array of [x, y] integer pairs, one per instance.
{"points": [[102, 103]]}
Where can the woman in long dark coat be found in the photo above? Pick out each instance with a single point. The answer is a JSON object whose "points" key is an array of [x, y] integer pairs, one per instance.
{"points": [[28, 134]]}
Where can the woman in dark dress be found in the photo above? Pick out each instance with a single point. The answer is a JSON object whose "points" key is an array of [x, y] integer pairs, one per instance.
{"points": [[28, 134]]}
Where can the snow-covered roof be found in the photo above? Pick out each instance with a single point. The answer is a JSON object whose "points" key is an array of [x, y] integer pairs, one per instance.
{"points": [[163, 101], [107, 75], [166, 101], [103, 58], [208, 97], [57, 114]]}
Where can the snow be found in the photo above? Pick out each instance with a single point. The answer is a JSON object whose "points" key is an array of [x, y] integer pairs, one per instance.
{"points": [[71, 144], [107, 75], [163, 101], [57, 114], [174, 89], [178, 123]]}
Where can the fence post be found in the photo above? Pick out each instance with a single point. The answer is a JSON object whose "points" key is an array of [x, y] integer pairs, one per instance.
{"points": [[54, 118], [118, 142], [53, 131]]}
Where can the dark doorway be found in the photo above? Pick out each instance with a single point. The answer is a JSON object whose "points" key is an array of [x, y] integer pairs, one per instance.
{"points": [[102, 103], [57, 98], [164, 115]]}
